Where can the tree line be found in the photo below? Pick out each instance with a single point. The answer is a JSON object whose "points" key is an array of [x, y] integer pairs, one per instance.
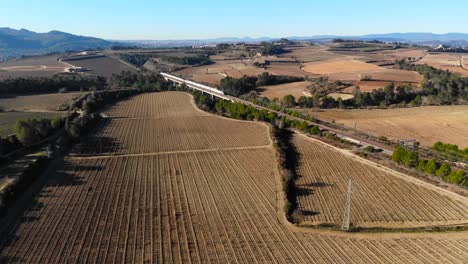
{"points": [[51, 84], [69, 130], [431, 167], [198, 60], [31, 131], [451, 150]]}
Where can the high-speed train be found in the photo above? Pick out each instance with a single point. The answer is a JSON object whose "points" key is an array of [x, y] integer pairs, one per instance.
{"points": [[190, 83]]}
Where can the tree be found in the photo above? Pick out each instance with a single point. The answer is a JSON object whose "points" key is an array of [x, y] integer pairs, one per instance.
{"points": [[421, 165], [431, 167], [89, 106], [25, 131], [314, 130], [56, 123], [410, 158], [458, 177], [444, 170], [398, 154], [303, 126], [289, 101], [74, 131]]}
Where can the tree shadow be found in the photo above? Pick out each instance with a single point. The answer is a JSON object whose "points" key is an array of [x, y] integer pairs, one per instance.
{"points": [[318, 184], [300, 191], [95, 145], [8, 259], [309, 213]]}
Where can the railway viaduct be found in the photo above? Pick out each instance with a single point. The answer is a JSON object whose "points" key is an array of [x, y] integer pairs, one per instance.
{"points": [[220, 94]]}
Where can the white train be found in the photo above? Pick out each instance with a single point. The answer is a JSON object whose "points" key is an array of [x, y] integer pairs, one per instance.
{"points": [[190, 83]]}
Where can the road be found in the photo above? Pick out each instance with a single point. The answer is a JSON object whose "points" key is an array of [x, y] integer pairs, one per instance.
{"points": [[339, 133]]}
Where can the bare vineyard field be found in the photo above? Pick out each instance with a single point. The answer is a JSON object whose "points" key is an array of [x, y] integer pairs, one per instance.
{"points": [[43, 66], [427, 124], [446, 61], [347, 69], [216, 206], [102, 66], [155, 105], [163, 135], [379, 198], [36, 102], [297, 89]]}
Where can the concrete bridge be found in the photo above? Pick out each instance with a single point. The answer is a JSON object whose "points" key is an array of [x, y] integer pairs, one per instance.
{"points": [[339, 132], [196, 86]]}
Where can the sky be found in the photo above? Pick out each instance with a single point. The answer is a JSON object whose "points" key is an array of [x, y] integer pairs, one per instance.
{"points": [[198, 19]]}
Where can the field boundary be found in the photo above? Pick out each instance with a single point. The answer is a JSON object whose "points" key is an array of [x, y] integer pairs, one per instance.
{"points": [[88, 157]]}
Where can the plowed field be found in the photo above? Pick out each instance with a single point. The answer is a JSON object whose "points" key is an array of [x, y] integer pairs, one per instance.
{"points": [[210, 206], [380, 198], [427, 124]]}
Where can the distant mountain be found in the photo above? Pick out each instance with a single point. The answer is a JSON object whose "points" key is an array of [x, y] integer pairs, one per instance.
{"points": [[430, 39], [14, 43]]}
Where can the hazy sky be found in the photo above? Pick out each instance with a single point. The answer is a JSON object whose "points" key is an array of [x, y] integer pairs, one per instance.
{"points": [[195, 19]]}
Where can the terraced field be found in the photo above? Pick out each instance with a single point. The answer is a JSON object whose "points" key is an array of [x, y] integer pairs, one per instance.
{"points": [[193, 206], [380, 198]]}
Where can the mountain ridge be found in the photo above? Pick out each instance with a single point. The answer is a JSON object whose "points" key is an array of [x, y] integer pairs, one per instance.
{"points": [[23, 42]]}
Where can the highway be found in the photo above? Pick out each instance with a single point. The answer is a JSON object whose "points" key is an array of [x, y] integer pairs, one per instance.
{"points": [[220, 94]]}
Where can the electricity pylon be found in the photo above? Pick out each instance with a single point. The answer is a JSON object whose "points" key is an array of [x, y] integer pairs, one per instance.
{"points": [[347, 210]]}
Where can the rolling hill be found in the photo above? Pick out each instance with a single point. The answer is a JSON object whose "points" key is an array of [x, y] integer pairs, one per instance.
{"points": [[15, 43]]}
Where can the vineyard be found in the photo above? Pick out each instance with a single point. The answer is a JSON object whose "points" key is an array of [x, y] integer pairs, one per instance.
{"points": [[379, 198], [220, 205], [427, 124]]}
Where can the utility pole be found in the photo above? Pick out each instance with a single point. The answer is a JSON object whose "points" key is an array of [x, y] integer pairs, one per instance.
{"points": [[347, 210]]}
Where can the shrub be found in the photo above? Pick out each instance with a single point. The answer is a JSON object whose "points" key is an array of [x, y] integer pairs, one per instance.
{"points": [[314, 130], [458, 177], [288, 208], [421, 165], [74, 131], [444, 170], [431, 167]]}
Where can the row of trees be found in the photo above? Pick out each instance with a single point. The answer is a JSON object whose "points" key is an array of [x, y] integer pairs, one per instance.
{"points": [[146, 82], [51, 84], [288, 162], [31, 131], [451, 150], [270, 79], [432, 167], [198, 60]]}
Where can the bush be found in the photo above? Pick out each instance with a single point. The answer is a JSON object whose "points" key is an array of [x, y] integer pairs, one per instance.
{"points": [[458, 177], [444, 170], [315, 130], [431, 167], [288, 208], [74, 131], [406, 157], [421, 165]]}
